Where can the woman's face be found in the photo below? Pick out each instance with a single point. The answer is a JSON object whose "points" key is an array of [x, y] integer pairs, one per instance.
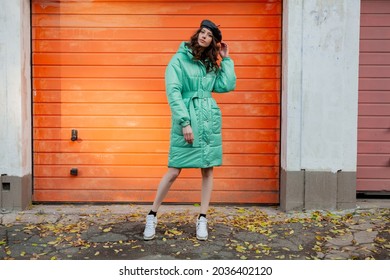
{"points": [[205, 37]]}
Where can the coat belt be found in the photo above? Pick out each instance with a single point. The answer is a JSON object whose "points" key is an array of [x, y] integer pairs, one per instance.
{"points": [[192, 95]]}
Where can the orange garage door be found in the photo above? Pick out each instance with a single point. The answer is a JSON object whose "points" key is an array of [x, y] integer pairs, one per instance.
{"points": [[98, 69], [373, 170]]}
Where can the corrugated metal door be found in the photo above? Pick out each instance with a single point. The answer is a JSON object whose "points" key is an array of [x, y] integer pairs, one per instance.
{"points": [[98, 68], [373, 170]]}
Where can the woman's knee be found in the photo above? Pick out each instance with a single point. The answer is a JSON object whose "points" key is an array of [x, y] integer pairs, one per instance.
{"points": [[207, 172], [173, 173]]}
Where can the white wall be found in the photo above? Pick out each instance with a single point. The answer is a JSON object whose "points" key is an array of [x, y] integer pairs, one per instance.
{"points": [[15, 88], [320, 85]]}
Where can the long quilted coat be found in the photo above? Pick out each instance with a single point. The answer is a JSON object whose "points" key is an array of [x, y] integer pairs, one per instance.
{"points": [[188, 88]]}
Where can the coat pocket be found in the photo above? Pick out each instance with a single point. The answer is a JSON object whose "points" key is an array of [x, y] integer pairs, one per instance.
{"points": [[177, 129]]}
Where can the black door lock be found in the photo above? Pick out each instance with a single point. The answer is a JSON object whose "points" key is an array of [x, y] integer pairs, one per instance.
{"points": [[74, 171], [74, 135]]}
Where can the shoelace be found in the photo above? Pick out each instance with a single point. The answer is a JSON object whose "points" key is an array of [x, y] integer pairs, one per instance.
{"points": [[150, 223], [202, 223]]}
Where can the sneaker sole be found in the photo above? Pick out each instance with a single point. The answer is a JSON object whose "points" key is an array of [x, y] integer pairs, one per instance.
{"points": [[202, 238], [147, 238]]}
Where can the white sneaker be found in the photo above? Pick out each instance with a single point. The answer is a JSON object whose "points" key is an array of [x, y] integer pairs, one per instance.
{"points": [[150, 227], [201, 229]]}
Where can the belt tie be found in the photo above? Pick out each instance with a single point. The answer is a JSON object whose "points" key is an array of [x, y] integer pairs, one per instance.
{"points": [[192, 95]]}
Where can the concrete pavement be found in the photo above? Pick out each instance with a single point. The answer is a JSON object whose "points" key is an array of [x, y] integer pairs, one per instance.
{"points": [[114, 231]]}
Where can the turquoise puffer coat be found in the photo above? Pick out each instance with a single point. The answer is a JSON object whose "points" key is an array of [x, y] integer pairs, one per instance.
{"points": [[188, 89]]}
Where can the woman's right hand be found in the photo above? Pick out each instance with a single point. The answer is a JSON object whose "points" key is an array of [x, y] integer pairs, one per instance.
{"points": [[188, 135]]}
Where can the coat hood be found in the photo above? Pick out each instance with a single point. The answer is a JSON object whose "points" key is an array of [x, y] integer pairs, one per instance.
{"points": [[184, 49]]}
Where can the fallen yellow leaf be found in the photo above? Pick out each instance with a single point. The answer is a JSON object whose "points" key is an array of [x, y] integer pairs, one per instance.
{"points": [[107, 229], [240, 249]]}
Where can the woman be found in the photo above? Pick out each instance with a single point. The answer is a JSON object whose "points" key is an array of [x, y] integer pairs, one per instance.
{"points": [[195, 140]]}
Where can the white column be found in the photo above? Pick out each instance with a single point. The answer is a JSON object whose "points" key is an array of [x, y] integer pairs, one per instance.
{"points": [[15, 96], [319, 101]]}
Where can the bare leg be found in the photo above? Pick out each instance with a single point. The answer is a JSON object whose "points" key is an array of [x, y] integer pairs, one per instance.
{"points": [[164, 186], [207, 188]]}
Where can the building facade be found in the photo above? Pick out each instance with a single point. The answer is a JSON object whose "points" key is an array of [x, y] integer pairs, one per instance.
{"points": [[84, 115]]}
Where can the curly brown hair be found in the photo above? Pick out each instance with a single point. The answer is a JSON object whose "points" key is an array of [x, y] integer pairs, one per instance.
{"points": [[208, 56]]}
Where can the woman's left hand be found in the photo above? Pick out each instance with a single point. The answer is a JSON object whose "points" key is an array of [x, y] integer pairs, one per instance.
{"points": [[224, 50]]}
